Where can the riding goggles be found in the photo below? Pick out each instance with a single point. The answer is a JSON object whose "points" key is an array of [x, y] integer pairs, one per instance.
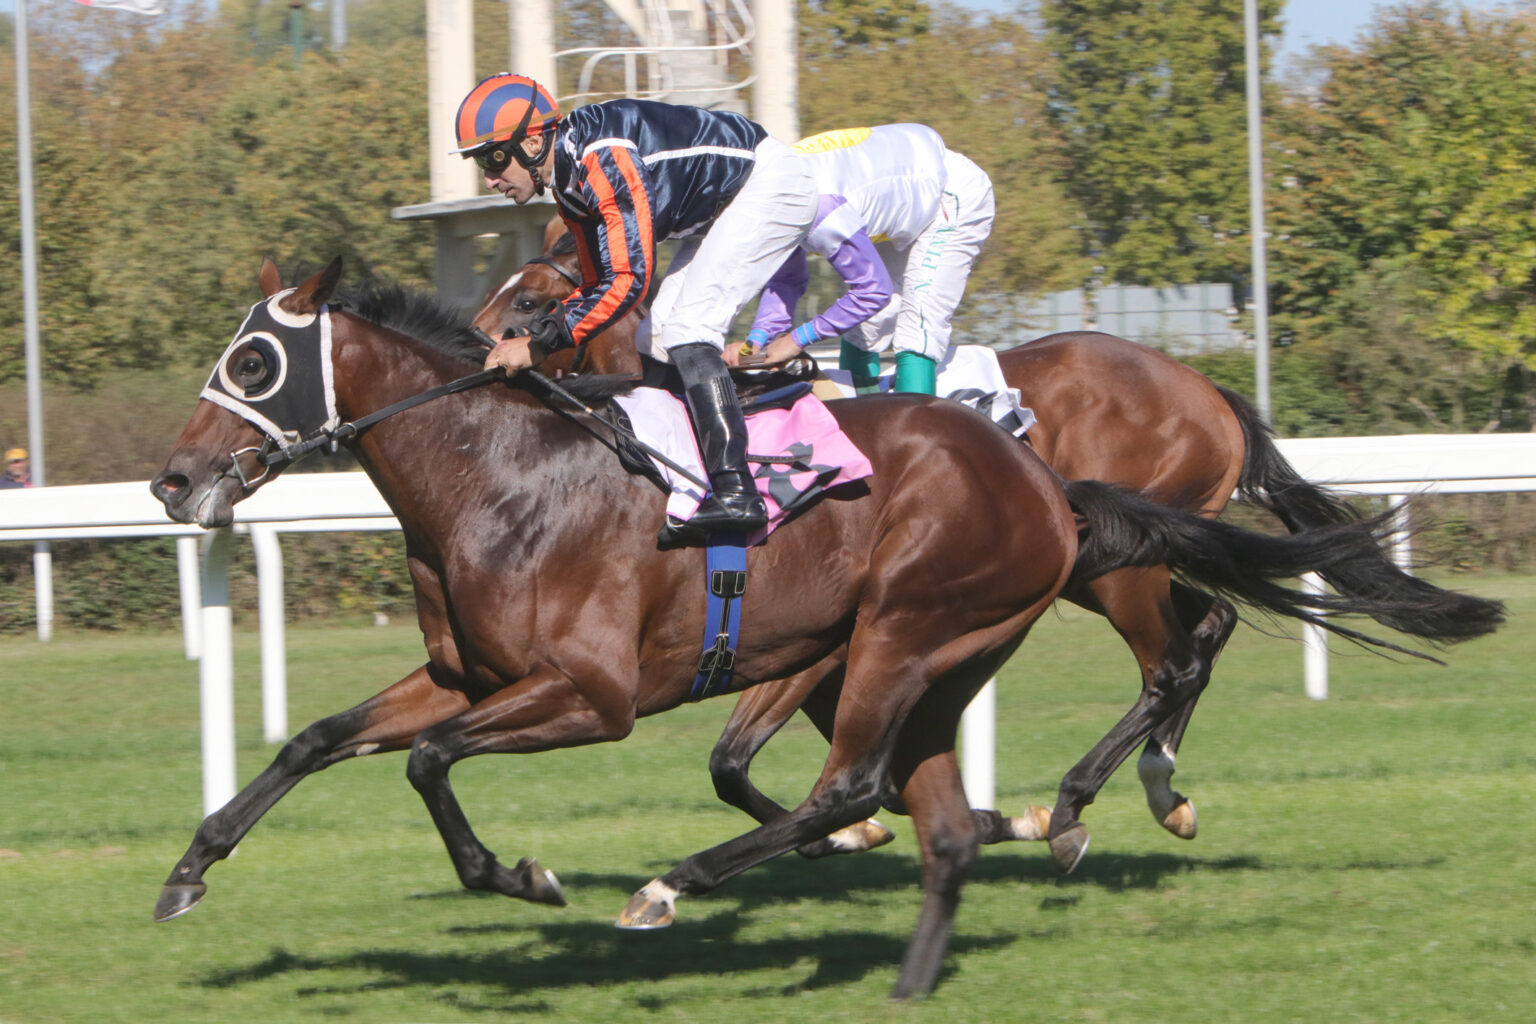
{"points": [[495, 159]]}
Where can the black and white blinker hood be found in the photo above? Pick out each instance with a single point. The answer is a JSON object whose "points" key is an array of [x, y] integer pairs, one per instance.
{"points": [[296, 396]]}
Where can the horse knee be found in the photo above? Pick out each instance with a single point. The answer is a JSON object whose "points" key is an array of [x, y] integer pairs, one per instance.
{"points": [[427, 764], [729, 774]]}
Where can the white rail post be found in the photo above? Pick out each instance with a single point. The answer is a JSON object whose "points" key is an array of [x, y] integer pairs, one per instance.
{"points": [[42, 578], [1402, 533], [978, 748], [274, 657], [191, 597], [1314, 641], [216, 674]]}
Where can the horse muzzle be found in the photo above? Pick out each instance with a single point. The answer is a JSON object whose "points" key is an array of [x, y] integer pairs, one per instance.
{"points": [[209, 505]]}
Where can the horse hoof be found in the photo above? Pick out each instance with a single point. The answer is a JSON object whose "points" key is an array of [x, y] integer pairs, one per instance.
{"points": [[1034, 823], [1181, 820], [651, 908], [856, 838], [1068, 848], [179, 898], [541, 885]]}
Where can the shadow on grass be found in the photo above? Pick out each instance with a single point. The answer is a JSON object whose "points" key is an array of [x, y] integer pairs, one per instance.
{"points": [[554, 956]]}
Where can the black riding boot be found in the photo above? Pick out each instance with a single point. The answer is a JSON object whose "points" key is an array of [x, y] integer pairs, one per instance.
{"points": [[734, 504]]}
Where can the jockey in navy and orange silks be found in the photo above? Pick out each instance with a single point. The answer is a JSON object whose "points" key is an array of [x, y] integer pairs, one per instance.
{"points": [[626, 175]]}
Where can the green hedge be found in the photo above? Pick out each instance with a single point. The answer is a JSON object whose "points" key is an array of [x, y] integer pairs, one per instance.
{"points": [[123, 584]]}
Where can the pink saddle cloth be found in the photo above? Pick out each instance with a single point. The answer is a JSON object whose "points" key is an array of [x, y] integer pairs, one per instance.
{"points": [[807, 453]]}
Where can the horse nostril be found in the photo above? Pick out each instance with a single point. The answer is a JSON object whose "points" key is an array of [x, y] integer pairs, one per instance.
{"points": [[168, 485]]}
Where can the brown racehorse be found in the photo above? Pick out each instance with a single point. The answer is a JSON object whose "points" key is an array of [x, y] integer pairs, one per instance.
{"points": [[1107, 409], [552, 617]]}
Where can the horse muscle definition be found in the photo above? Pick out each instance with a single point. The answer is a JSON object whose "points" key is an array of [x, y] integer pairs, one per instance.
{"points": [[552, 617], [1112, 410]]}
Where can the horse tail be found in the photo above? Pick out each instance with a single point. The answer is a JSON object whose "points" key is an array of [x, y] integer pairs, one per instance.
{"points": [[1421, 608], [1126, 529]]}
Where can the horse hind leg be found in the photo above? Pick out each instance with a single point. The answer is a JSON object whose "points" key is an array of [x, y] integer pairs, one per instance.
{"points": [[885, 678], [1214, 621], [383, 723], [947, 838], [1139, 604]]}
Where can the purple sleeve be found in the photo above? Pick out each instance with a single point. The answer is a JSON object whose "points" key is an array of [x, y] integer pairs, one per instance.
{"points": [[776, 309], [869, 287]]}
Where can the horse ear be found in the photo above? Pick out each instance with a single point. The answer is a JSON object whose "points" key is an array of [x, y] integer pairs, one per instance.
{"points": [[270, 280], [553, 231], [308, 297]]}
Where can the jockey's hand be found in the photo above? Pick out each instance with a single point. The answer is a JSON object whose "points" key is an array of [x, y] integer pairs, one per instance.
{"points": [[511, 354], [738, 355], [781, 350]]}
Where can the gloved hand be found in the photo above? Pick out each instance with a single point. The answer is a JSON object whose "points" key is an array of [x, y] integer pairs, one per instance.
{"points": [[548, 332]]}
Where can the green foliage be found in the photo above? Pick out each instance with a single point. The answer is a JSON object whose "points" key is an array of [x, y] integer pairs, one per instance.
{"points": [[128, 584], [1150, 100], [983, 84], [853, 24], [1413, 172]]}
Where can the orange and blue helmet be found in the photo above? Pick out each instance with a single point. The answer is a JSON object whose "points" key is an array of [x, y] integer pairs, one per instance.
{"points": [[504, 108]]}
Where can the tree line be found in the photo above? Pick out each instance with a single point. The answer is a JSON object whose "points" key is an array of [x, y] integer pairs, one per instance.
{"points": [[171, 154]]}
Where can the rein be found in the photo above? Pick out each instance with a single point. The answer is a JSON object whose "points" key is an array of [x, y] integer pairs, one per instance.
{"points": [[347, 431]]}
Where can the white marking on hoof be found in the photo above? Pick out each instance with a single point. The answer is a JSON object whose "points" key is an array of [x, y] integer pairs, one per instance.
{"points": [[1181, 821], [860, 836], [654, 906], [1033, 824]]}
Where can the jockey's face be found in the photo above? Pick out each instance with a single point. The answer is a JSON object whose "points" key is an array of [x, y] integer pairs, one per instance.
{"points": [[516, 183]]}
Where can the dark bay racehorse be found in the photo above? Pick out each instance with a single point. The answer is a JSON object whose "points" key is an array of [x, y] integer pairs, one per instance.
{"points": [[1112, 410], [552, 618]]}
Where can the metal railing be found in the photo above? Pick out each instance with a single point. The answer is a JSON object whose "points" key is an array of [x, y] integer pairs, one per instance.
{"points": [[730, 21]]}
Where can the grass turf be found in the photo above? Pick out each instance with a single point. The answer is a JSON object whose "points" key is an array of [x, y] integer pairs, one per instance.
{"points": [[1366, 858]]}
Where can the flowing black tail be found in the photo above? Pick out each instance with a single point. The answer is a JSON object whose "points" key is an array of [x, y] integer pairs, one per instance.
{"points": [[1409, 604], [1124, 529]]}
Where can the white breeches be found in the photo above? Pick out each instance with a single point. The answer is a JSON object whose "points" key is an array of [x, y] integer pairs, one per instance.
{"points": [[717, 273], [930, 276]]}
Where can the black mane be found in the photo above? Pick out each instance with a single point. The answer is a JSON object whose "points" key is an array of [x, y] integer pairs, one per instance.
{"points": [[422, 316], [415, 313]]}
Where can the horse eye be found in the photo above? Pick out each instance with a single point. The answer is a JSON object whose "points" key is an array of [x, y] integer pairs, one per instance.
{"points": [[251, 365], [525, 305]]}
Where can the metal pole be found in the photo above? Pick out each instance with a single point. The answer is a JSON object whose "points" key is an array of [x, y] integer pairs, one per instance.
{"points": [[338, 25], [1256, 211], [42, 555], [296, 30]]}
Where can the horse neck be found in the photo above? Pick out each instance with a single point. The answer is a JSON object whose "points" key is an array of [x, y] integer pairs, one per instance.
{"points": [[425, 459]]}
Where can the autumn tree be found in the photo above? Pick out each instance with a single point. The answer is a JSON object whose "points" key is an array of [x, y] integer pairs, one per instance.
{"points": [[1150, 101], [1404, 242]]}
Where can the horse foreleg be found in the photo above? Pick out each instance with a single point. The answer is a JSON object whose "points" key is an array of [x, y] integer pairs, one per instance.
{"points": [[387, 721], [543, 711], [1214, 619]]}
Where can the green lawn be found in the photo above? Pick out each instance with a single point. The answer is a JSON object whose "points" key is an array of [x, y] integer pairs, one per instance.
{"points": [[1367, 858]]}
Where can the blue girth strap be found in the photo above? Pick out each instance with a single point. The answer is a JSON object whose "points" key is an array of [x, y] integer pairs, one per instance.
{"points": [[726, 576]]}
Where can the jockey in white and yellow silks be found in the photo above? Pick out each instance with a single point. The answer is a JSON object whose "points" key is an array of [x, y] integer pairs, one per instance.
{"points": [[895, 203]]}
